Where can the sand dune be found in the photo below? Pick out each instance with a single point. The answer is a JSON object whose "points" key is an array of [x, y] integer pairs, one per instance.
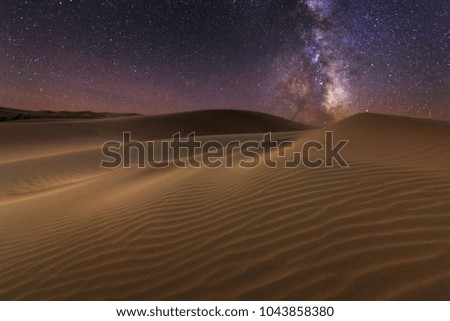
{"points": [[34, 138], [379, 229], [11, 114]]}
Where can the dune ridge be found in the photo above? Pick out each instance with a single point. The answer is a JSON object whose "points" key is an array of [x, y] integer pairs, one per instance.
{"points": [[379, 229]]}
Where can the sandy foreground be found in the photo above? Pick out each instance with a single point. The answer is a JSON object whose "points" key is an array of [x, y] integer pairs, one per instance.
{"points": [[70, 230]]}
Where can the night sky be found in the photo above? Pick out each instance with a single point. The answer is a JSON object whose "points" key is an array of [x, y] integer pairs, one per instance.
{"points": [[314, 61]]}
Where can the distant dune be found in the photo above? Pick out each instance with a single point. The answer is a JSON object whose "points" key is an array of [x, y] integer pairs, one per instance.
{"points": [[70, 230], [11, 114]]}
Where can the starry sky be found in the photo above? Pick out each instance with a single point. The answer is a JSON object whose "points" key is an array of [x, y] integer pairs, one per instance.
{"points": [[315, 61]]}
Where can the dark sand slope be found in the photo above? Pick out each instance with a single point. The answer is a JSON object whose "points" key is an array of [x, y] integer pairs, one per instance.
{"points": [[377, 230]]}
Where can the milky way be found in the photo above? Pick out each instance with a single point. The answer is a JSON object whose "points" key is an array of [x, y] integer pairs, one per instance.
{"points": [[312, 80], [313, 60]]}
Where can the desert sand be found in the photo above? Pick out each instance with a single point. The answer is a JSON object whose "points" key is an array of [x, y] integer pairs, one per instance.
{"points": [[378, 230]]}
